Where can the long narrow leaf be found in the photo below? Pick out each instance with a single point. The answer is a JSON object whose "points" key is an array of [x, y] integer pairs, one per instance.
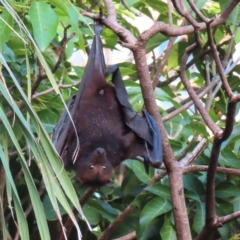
{"points": [[64, 180], [36, 202], [22, 222]]}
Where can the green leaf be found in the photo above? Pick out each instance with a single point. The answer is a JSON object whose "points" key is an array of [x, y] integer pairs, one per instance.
{"points": [[139, 170], [233, 15], [191, 195], [234, 136], [104, 209], [44, 22], [22, 222], [199, 4], [128, 225], [236, 203], [153, 209], [131, 185], [167, 232], [198, 126], [142, 199], [224, 232], [6, 23], [199, 218], [229, 159], [48, 118], [92, 215], [49, 210], [132, 2], [36, 202], [53, 189], [176, 54], [159, 190], [60, 4], [152, 230], [155, 41], [192, 183], [226, 190]]}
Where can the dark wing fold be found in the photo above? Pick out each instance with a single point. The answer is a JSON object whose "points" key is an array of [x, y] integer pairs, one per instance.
{"points": [[157, 138], [145, 127], [60, 131]]}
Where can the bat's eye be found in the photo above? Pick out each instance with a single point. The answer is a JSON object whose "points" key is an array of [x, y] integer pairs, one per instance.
{"points": [[104, 167], [91, 167], [101, 92]]}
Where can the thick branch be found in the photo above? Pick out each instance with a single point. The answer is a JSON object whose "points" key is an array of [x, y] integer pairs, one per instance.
{"points": [[175, 173], [178, 31], [180, 7], [211, 219], [111, 22]]}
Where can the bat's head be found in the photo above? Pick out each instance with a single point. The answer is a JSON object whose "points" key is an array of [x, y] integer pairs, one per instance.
{"points": [[95, 170]]}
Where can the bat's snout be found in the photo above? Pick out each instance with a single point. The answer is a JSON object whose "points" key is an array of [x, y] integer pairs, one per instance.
{"points": [[101, 151]]}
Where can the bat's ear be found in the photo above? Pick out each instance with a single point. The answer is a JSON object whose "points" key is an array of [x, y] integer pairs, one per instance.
{"points": [[110, 70]]}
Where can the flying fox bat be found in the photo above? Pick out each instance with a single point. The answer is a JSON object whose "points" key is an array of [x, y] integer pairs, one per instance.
{"points": [[107, 128]]}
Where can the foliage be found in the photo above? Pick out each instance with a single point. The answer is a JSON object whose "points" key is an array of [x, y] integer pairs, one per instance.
{"points": [[35, 191]]}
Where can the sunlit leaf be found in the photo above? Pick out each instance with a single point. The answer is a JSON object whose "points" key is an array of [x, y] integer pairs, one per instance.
{"points": [[45, 22], [6, 25]]}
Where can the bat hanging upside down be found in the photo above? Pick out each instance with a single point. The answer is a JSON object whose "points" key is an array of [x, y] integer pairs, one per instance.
{"points": [[106, 127]]}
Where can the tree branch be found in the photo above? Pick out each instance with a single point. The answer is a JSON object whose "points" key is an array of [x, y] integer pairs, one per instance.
{"points": [[211, 219], [194, 154], [205, 50], [187, 102], [178, 31], [218, 62], [209, 122]]}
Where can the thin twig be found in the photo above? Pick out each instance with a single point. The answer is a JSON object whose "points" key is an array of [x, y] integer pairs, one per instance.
{"points": [[218, 62], [137, 14], [187, 103], [209, 122], [205, 50], [188, 160]]}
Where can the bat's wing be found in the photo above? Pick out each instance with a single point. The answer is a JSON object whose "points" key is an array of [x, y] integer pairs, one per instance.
{"points": [[59, 133], [93, 77], [145, 127]]}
